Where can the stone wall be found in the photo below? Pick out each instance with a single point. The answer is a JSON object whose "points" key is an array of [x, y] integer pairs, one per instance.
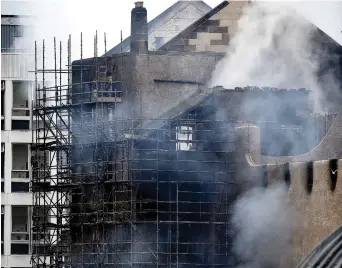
{"points": [[160, 80], [314, 188]]}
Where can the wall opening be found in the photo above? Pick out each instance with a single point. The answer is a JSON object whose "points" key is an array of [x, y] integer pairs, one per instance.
{"points": [[309, 177], [264, 176], [287, 174]]}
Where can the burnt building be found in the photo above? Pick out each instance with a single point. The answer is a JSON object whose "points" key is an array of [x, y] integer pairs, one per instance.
{"points": [[145, 151]]}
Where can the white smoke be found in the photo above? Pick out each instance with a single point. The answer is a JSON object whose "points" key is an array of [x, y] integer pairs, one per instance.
{"points": [[262, 221], [273, 47]]}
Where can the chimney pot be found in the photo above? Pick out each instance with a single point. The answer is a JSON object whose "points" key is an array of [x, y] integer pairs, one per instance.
{"points": [[139, 4], [139, 29]]}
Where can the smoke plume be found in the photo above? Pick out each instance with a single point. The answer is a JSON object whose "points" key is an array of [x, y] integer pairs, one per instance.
{"points": [[262, 221], [274, 47]]}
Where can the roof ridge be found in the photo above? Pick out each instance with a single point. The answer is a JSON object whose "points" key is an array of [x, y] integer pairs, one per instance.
{"points": [[154, 20], [181, 9]]}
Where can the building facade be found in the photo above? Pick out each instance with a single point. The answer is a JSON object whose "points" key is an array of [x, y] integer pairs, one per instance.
{"points": [[149, 175], [16, 135]]}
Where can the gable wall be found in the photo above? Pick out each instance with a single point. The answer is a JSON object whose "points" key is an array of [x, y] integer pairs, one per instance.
{"points": [[214, 34], [170, 28]]}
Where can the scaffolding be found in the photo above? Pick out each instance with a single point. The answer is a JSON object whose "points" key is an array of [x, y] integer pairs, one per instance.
{"points": [[113, 190]]}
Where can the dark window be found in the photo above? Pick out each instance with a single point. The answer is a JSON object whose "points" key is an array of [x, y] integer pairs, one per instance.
{"points": [[2, 229], [20, 187], [2, 101], [2, 160], [8, 35], [21, 98], [2, 124], [2, 223], [20, 124], [19, 249]]}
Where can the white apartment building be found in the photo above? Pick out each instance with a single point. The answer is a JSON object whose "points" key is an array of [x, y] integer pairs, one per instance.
{"points": [[16, 135]]}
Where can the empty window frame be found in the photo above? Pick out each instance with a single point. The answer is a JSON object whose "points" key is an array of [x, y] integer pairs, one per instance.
{"points": [[20, 157], [184, 138], [20, 230], [21, 91]]}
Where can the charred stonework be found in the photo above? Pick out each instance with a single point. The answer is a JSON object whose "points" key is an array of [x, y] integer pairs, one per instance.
{"points": [[139, 29]]}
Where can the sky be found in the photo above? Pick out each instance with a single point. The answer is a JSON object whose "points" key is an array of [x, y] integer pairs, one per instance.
{"points": [[59, 18]]}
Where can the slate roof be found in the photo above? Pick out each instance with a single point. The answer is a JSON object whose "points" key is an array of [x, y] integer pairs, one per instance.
{"points": [[158, 21], [194, 25]]}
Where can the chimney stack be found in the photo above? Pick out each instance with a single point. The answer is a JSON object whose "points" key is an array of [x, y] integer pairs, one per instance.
{"points": [[139, 29]]}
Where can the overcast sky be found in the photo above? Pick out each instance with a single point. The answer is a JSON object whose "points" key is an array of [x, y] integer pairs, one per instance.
{"points": [[60, 17]]}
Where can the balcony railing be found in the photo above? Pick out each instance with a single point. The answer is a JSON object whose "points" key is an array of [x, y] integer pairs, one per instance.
{"points": [[20, 174]]}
